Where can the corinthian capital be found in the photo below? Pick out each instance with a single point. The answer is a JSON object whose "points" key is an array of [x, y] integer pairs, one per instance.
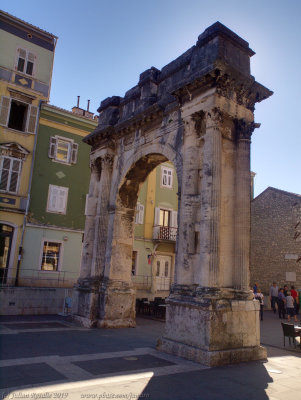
{"points": [[244, 129], [107, 161]]}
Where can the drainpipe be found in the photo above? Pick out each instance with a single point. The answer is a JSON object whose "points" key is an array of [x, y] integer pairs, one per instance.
{"points": [[28, 195]]}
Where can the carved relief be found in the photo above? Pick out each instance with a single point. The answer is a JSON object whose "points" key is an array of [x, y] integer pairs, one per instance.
{"points": [[199, 119]]}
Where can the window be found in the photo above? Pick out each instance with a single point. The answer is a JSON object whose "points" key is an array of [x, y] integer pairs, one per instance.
{"points": [[139, 214], [25, 62], [18, 115], [51, 256], [166, 270], [63, 150], [57, 199], [134, 262], [164, 219], [158, 269], [166, 177], [10, 171]]}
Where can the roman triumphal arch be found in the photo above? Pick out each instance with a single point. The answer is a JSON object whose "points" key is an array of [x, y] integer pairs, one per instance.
{"points": [[198, 113]]}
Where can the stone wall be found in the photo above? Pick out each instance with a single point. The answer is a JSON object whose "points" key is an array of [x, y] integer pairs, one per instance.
{"points": [[275, 239], [32, 301]]}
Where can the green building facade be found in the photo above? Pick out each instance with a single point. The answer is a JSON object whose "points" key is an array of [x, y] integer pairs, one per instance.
{"points": [[55, 224]]}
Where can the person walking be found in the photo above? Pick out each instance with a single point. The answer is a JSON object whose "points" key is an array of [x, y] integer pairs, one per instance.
{"points": [[281, 303], [290, 309], [259, 296], [295, 296], [274, 296]]}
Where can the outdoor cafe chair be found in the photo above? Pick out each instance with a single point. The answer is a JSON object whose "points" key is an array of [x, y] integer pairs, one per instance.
{"points": [[289, 331]]}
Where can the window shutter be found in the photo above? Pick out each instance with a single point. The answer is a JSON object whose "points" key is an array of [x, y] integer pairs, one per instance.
{"points": [[157, 216], [62, 199], [74, 153], [53, 198], [52, 147], [137, 213], [5, 168], [31, 57], [21, 54], [15, 174], [169, 172], [32, 119], [174, 219], [4, 110], [141, 214]]}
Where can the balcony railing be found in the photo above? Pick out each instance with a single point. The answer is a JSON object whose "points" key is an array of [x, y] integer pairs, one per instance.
{"points": [[145, 282], [165, 233], [142, 281]]}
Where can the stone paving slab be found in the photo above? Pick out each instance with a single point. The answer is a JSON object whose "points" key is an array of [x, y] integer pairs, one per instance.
{"points": [[34, 325], [27, 374], [120, 364]]}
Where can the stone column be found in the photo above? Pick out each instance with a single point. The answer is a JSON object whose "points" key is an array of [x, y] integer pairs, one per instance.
{"points": [[87, 298], [211, 203], [242, 204], [206, 322], [87, 256], [102, 216]]}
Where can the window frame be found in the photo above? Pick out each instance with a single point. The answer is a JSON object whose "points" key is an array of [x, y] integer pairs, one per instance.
{"points": [[12, 159], [26, 61], [167, 170], [139, 217], [49, 210], [31, 112], [165, 212], [61, 254], [72, 150]]}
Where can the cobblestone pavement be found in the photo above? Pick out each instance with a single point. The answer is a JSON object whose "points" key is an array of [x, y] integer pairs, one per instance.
{"points": [[51, 358]]}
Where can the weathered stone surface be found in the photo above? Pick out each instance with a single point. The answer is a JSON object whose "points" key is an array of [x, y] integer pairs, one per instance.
{"points": [[276, 239], [196, 112]]}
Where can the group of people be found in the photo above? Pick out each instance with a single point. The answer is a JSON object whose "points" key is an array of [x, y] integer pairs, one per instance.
{"points": [[287, 301]]}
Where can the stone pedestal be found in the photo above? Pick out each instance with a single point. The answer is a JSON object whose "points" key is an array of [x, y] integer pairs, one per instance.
{"points": [[212, 326], [105, 304]]}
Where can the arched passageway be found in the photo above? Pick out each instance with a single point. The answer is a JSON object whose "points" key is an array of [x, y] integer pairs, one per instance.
{"points": [[196, 112]]}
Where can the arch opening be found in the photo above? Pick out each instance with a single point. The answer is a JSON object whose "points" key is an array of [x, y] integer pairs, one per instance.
{"points": [[145, 230]]}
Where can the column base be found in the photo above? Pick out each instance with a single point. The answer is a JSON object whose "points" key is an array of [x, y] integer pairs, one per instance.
{"points": [[212, 326], [109, 304], [211, 358]]}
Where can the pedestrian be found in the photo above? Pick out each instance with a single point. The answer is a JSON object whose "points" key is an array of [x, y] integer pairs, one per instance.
{"points": [[274, 296], [259, 296], [290, 309], [295, 296], [255, 287], [285, 290], [281, 303]]}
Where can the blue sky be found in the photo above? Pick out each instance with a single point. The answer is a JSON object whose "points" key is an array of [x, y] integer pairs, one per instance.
{"points": [[103, 47]]}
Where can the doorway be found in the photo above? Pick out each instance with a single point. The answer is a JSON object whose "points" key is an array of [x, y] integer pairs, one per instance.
{"points": [[6, 236]]}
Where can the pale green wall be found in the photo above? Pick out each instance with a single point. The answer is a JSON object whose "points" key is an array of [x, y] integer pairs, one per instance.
{"points": [[8, 50], [72, 249], [166, 197], [141, 247]]}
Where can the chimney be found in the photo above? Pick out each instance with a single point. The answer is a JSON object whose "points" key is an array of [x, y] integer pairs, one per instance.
{"points": [[81, 112]]}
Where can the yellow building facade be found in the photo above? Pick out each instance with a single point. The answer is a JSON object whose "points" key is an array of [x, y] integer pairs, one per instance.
{"points": [[26, 63]]}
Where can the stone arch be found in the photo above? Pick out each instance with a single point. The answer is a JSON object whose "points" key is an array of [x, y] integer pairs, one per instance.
{"points": [[196, 112], [126, 199]]}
